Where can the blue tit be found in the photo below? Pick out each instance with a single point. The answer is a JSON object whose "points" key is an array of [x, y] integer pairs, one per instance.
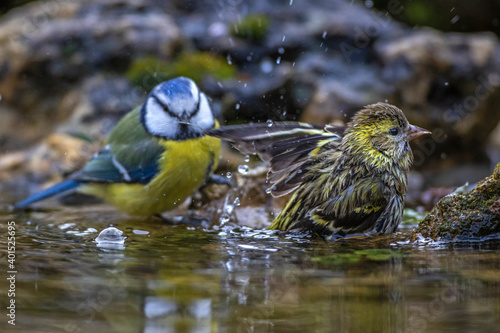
{"points": [[155, 157]]}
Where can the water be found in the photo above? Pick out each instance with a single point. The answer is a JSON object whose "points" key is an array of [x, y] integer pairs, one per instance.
{"points": [[178, 278]]}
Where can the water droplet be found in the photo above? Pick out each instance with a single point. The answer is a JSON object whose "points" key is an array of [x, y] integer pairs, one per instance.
{"points": [[243, 169], [278, 61], [224, 218], [269, 190], [281, 50], [324, 34], [220, 84], [387, 101], [266, 66], [229, 59], [249, 58], [237, 106], [283, 39], [291, 2], [229, 174], [369, 4], [237, 201], [446, 83], [269, 123], [247, 158], [455, 19]]}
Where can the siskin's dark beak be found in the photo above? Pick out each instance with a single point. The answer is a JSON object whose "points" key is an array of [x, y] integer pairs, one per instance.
{"points": [[416, 131]]}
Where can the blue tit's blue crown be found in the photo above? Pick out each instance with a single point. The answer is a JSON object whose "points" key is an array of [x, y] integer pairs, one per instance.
{"points": [[175, 88]]}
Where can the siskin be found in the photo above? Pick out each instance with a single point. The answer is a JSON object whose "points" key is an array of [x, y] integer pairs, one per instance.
{"points": [[346, 180]]}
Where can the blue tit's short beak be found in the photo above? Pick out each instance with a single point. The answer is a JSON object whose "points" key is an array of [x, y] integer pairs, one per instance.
{"points": [[184, 119], [416, 131]]}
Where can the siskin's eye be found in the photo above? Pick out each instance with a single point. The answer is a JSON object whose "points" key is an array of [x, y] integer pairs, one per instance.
{"points": [[394, 131]]}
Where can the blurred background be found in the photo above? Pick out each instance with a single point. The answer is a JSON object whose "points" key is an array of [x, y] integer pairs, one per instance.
{"points": [[69, 70]]}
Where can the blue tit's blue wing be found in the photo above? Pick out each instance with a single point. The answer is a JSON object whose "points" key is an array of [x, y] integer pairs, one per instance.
{"points": [[130, 156], [134, 163]]}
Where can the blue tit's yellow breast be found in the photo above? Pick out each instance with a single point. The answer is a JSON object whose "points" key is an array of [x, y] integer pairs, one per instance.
{"points": [[183, 167]]}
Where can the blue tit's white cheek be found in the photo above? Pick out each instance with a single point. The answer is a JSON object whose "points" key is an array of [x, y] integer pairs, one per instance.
{"points": [[158, 122], [204, 118]]}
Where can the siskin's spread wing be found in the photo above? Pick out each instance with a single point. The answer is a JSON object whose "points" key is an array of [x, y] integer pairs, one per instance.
{"points": [[355, 209], [130, 156], [288, 146]]}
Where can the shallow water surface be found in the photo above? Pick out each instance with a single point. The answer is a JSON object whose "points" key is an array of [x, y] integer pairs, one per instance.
{"points": [[176, 278]]}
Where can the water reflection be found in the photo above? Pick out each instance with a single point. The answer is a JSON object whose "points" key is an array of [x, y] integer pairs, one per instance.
{"points": [[167, 278]]}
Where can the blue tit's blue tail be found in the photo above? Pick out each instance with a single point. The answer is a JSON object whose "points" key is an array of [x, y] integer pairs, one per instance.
{"points": [[62, 187]]}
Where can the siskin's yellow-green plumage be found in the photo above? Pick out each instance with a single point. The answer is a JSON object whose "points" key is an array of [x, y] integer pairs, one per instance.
{"points": [[345, 180]]}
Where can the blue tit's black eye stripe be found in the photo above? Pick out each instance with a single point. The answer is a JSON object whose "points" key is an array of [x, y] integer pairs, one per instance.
{"points": [[163, 106], [394, 131]]}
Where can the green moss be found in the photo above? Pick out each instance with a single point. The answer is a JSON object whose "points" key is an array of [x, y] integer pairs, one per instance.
{"points": [[252, 27], [149, 71]]}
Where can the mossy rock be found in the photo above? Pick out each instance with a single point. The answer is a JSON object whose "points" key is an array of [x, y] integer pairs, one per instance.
{"points": [[149, 71], [470, 215], [252, 27]]}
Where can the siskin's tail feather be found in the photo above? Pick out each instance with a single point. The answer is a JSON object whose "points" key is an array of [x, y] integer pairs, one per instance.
{"points": [[62, 187]]}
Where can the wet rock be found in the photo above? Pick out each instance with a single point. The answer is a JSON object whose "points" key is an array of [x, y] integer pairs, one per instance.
{"points": [[49, 47], [468, 215]]}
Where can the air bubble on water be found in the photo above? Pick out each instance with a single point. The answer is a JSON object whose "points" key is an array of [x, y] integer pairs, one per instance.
{"points": [[243, 169], [249, 58], [247, 158], [229, 174], [237, 106], [111, 238], [278, 61], [369, 4], [269, 123], [281, 50]]}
